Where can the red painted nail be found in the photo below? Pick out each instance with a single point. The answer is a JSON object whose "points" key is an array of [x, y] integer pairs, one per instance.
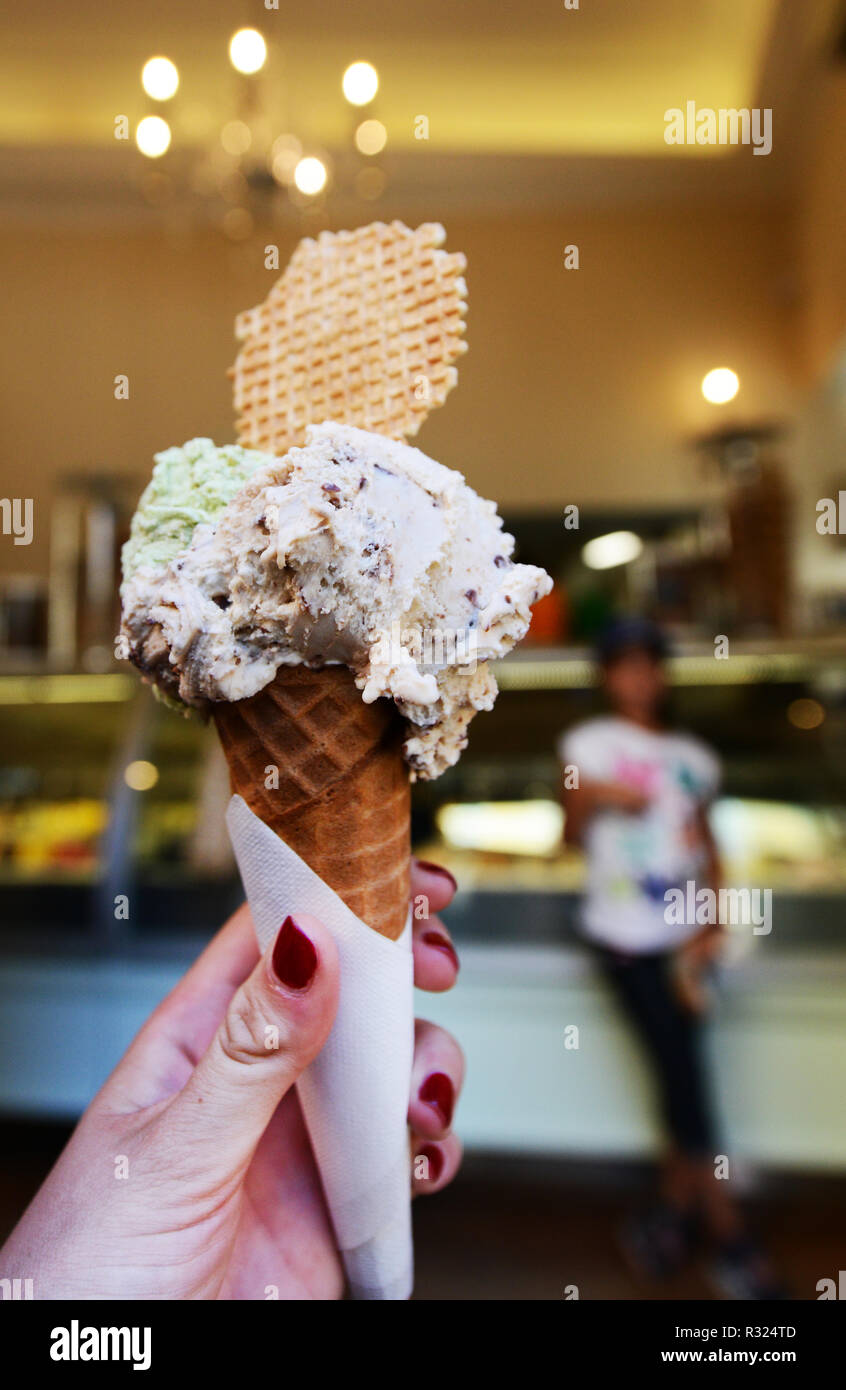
{"points": [[294, 957], [441, 943], [437, 1091], [438, 869], [435, 1159]]}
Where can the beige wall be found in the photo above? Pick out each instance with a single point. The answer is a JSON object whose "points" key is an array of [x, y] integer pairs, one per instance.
{"points": [[816, 449], [579, 385], [821, 228]]}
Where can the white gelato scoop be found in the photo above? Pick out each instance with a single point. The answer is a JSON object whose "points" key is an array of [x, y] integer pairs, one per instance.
{"points": [[355, 549]]}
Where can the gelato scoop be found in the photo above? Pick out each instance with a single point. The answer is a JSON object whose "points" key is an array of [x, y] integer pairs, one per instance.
{"points": [[354, 549]]}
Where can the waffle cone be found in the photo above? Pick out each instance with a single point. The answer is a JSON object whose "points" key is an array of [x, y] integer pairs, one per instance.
{"points": [[343, 797]]}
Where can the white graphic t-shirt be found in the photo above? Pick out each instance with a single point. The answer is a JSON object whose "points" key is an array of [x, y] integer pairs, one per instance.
{"points": [[634, 859]]}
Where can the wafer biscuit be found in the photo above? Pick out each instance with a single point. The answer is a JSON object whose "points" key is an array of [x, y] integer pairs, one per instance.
{"points": [[363, 327]]}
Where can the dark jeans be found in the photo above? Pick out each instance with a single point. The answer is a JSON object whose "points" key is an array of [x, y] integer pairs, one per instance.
{"points": [[670, 1036]]}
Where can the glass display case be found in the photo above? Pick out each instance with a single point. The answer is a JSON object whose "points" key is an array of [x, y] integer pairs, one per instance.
{"points": [[112, 816], [112, 806], [116, 868]]}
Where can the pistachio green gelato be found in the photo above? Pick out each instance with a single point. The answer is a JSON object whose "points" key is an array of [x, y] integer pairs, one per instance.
{"points": [[190, 485]]}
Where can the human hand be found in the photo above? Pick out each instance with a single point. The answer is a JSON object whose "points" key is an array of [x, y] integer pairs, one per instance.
{"points": [[190, 1175], [691, 964], [706, 946]]}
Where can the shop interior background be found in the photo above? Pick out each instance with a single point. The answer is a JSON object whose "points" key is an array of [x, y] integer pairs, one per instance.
{"points": [[609, 273]]}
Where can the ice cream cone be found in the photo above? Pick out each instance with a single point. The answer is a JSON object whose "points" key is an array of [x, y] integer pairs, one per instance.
{"points": [[326, 773]]}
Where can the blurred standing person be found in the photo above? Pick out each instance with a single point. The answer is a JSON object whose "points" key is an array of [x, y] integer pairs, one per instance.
{"points": [[640, 812]]}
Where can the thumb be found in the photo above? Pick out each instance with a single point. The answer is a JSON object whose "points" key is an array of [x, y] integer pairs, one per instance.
{"points": [[276, 1023]]}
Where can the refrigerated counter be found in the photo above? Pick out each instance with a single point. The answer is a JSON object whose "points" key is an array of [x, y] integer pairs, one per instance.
{"points": [[77, 980]]}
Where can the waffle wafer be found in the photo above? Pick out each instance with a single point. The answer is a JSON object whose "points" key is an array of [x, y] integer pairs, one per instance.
{"points": [[363, 327]]}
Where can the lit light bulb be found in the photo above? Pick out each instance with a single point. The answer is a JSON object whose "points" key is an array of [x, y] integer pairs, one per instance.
{"points": [[720, 385], [360, 83], [141, 776], [236, 137], [152, 136], [247, 51], [805, 714], [159, 78], [285, 154], [371, 137], [310, 175], [616, 548]]}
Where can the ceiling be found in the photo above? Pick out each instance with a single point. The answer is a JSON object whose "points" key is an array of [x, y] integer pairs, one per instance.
{"points": [[527, 103], [527, 78]]}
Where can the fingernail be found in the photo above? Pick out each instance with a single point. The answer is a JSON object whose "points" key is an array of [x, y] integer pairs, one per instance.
{"points": [[435, 1159], [437, 1091], [438, 869], [294, 957], [441, 943]]}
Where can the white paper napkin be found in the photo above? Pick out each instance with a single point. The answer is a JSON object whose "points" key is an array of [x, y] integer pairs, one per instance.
{"points": [[354, 1095]]}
